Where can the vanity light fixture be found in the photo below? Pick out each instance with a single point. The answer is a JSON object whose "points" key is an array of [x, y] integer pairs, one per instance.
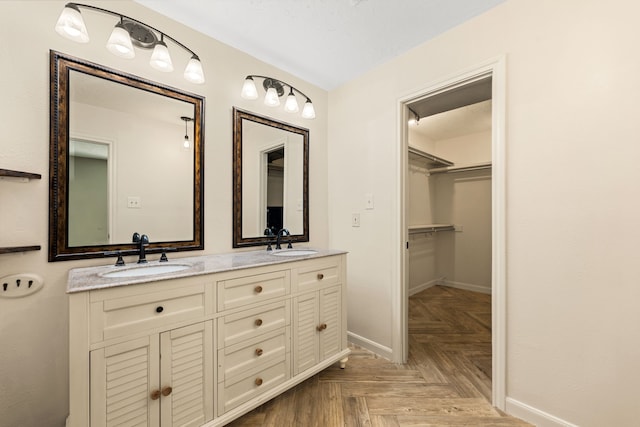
{"points": [[274, 90], [127, 34], [186, 143]]}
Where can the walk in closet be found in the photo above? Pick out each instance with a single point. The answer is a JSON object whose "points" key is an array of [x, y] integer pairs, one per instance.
{"points": [[449, 196]]}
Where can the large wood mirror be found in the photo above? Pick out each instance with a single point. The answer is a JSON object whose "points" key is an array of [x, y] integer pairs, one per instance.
{"points": [[270, 180], [120, 162]]}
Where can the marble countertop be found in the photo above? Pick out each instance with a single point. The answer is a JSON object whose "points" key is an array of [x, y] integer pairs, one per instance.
{"points": [[90, 278]]}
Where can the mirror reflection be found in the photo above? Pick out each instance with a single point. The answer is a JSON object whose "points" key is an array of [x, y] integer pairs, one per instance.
{"points": [[271, 179], [120, 162], [128, 167]]}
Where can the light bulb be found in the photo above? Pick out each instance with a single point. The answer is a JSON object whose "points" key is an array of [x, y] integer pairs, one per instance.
{"points": [[160, 58], [186, 143], [308, 112], [249, 90], [291, 104], [120, 42], [271, 98], [71, 25], [194, 73]]}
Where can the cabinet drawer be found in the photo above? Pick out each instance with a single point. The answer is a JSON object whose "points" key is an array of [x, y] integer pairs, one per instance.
{"points": [[115, 317], [238, 390], [248, 324], [247, 355], [247, 290], [317, 275]]}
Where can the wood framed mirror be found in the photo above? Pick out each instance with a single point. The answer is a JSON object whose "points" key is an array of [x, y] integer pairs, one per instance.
{"points": [[270, 180], [120, 162]]}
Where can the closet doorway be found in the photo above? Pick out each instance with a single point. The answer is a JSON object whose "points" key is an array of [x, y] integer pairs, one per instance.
{"points": [[453, 201]]}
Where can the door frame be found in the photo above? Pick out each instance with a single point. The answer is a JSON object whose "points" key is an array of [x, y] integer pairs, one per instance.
{"points": [[496, 68]]}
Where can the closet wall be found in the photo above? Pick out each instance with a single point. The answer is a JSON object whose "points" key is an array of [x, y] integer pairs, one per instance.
{"points": [[460, 258]]}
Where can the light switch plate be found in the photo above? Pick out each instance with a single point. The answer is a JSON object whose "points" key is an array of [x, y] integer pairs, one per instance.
{"points": [[355, 220], [368, 198]]}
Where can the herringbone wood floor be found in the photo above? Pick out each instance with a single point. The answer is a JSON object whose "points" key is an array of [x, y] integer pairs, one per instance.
{"points": [[446, 382]]}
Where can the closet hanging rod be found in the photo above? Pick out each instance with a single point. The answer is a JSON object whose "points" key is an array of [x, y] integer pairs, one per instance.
{"points": [[452, 169], [431, 157]]}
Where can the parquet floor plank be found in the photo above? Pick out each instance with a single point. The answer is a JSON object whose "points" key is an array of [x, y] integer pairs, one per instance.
{"points": [[445, 382]]}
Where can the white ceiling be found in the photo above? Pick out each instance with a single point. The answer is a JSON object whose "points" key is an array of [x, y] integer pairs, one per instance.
{"points": [[325, 42]]}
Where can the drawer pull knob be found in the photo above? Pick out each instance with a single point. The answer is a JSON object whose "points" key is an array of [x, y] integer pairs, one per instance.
{"points": [[258, 289], [159, 309], [258, 322], [258, 352], [320, 276], [155, 395], [166, 391], [321, 327], [258, 381]]}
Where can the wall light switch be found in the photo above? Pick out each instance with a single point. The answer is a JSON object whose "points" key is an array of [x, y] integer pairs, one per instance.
{"points": [[133, 202], [355, 220], [368, 201]]}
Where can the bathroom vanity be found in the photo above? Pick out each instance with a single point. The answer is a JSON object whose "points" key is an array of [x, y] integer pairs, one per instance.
{"points": [[200, 341]]}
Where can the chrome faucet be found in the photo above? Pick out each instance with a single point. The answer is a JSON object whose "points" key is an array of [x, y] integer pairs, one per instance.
{"points": [[282, 232], [142, 241]]}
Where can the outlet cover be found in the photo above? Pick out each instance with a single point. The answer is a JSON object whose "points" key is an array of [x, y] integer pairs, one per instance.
{"points": [[133, 202]]}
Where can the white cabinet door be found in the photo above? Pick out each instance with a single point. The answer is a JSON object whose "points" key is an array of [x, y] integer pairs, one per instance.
{"points": [[305, 321], [186, 376], [330, 322], [122, 378], [318, 327], [161, 380]]}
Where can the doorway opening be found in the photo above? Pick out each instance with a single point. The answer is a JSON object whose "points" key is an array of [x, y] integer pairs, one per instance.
{"points": [[452, 207]]}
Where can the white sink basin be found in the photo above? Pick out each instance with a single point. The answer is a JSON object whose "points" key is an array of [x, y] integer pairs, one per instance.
{"points": [[295, 252], [147, 270]]}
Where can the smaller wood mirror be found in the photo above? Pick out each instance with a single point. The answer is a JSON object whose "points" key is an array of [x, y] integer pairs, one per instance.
{"points": [[270, 180]]}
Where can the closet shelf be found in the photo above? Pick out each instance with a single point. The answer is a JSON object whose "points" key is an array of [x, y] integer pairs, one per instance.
{"points": [[8, 173], [461, 168], [12, 249], [432, 161], [430, 228]]}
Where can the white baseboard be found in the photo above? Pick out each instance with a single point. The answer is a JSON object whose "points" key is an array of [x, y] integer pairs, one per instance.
{"points": [[533, 415], [372, 346], [466, 286], [424, 286]]}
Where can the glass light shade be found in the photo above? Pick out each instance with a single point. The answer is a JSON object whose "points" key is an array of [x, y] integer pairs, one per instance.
{"points": [[186, 143], [120, 42], [71, 25], [291, 104], [271, 98], [249, 90], [160, 58], [193, 72], [308, 112]]}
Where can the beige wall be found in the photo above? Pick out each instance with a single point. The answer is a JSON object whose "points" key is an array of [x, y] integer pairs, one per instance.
{"points": [[33, 330], [572, 184]]}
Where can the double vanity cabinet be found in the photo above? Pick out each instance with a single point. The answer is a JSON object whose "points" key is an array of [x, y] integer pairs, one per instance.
{"points": [[202, 344]]}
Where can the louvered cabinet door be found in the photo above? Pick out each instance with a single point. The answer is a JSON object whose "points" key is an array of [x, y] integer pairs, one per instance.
{"points": [[305, 320], [122, 378], [186, 376], [330, 321]]}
